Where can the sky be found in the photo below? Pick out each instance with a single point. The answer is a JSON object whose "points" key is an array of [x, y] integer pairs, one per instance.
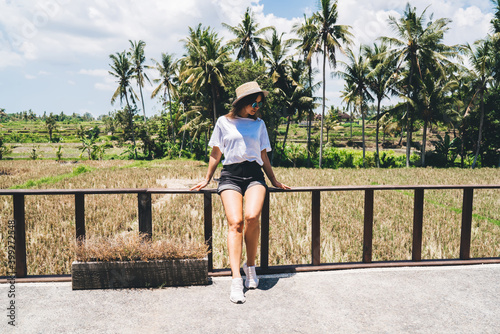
{"points": [[54, 54]]}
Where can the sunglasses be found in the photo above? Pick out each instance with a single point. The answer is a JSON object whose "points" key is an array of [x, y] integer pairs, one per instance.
{"points": [[257, 104]]}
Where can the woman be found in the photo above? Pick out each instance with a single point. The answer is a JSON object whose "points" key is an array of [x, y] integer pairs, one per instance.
{"points": [[241, 136]]}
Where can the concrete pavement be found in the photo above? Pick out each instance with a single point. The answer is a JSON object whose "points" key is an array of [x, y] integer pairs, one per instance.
{"points": [[462, 299]]}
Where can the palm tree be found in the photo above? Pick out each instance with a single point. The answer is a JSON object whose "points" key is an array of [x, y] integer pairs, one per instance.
{"points": [[496, 38], [278, 61], [137, 57], [247, 37], [380, 81], [306, 31], [276, 57], [167, 70], [418, 47], [206, 62], [331, 121], [436, 102], [328, 37], [481, 60], [50, 122], [123, 71], [356, 76], [197, 125], [298, 97], [349, 99]]}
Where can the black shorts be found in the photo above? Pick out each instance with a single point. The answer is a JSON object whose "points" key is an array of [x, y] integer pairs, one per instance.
{"points": [[240, 177]]}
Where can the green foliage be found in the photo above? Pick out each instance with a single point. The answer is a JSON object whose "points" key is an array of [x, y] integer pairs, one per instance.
{"points": [[389, 160], [445, 152], [34, 154], [50, 122], [81, 169], [4, 149], [88, 139], [59, 153], [25, 138], [295, 152], [337, 158]]}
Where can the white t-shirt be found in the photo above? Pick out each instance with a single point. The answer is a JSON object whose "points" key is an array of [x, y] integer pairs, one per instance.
{"points": [[240, 139]]}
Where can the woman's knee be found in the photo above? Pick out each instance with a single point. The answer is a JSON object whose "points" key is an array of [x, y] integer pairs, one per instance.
{"points": [[252, 219], [235, 225]]}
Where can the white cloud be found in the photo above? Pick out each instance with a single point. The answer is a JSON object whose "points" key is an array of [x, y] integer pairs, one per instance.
{"points": [[95, 72], [107, 87], [74, 38]]}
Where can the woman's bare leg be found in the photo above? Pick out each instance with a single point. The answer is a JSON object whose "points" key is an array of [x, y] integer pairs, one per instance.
{"points": [[233, 206], [254, 199]]}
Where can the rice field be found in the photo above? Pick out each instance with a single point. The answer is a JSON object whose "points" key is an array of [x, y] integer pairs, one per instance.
{"points": [[50, 227]]}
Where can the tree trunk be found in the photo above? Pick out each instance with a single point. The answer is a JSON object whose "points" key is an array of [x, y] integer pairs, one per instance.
{"points": [[309, 121], [183, 134], [214, 104], [171, 115], [142, 102], [377, 157], [286, 134], [352, 120], [462, 148], [323, 109], [363, 132], [424, 144], [131, 126], [408, 141], [408, 122], [481, 121], [206, 145]]}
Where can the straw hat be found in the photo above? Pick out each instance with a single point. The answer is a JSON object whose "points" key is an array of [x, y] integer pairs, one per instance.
{"points": [[248, 88]]}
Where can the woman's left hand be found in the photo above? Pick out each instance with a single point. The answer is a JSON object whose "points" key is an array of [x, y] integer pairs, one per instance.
{"points": [[280, 185]]}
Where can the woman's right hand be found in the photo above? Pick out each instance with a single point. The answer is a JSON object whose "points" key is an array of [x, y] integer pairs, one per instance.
{"points": [[200, 185]]}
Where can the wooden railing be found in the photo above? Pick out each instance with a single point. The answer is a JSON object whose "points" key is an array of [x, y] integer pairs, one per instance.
{"points": [[145, 223]]}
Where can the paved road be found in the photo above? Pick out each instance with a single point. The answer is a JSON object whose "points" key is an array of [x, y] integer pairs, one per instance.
{"points": [[396, 300]]}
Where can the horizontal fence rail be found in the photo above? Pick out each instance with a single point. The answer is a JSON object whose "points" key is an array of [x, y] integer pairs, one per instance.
{"points": [[145, 223]]}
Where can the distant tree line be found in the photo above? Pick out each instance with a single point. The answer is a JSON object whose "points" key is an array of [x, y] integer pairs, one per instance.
{"points": [[29, 115]]}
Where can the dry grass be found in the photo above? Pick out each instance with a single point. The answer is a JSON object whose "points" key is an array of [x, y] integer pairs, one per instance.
{"points": [[50, 224], [16, 172], [134, 247]]}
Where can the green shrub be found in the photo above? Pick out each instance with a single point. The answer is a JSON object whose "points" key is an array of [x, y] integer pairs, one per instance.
{"points": [[336, 158], [59, 153], [81, 169]]}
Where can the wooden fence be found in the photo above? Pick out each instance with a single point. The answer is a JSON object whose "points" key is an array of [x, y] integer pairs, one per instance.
{"points": [[145, 224]]}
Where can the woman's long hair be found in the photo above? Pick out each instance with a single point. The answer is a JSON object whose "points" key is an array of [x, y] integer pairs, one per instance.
{"points": [[247, 100]]}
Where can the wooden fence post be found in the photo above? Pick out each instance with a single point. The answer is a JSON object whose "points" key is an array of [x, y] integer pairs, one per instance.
{"points": [[264, 235], [418, 215], [20, 235], [145, 215], [466, 224], [80, 215], [368, 227], [207, 212], [316, 227]]}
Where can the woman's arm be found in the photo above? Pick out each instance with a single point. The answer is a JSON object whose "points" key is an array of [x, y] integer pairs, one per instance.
{"points": [[215, 157], [268, 169]]}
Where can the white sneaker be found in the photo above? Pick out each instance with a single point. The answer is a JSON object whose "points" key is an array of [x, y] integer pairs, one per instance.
{"points": [[252, 280], [237, 295]]}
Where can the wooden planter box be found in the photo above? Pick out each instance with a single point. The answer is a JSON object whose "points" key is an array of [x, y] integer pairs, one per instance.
{"points": [[139, 274]]}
